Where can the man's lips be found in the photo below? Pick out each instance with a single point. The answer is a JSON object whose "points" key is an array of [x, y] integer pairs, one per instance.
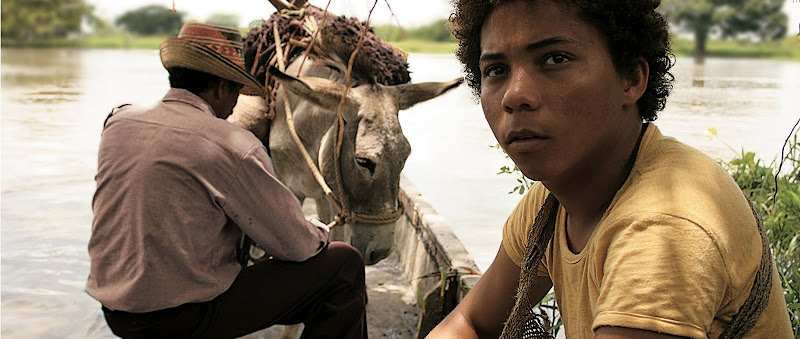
{"points": [[523, 135], [524, 140]]}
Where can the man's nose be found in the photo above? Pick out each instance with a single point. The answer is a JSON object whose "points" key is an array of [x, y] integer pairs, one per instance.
{"points": [[522, 93]]}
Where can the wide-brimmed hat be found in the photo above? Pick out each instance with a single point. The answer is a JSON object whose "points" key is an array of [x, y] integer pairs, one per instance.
{"points": [[212, 49]]}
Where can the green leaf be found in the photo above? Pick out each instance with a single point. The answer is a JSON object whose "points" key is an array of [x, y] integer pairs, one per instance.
{"points": [[795, 199]]}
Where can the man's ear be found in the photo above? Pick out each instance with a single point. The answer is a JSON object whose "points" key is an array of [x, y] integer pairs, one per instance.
{"points": [[222, 88], [636, 82]]}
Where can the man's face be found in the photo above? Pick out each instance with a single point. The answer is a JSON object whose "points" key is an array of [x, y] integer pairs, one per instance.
{"points": [[549, 89], [230, 95]]}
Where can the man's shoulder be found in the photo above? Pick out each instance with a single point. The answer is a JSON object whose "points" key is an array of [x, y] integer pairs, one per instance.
{"points": [[671, 177], [679, 185], [186, 124]]}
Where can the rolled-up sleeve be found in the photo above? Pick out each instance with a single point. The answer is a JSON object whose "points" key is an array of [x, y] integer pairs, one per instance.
{"points": [[269, 213]]}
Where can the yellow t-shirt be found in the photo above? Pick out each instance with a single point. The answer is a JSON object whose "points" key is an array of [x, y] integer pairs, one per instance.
{"points": [[676, 252]]}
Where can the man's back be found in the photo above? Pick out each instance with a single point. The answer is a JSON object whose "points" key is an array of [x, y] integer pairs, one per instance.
{"points": [[159, 228]]}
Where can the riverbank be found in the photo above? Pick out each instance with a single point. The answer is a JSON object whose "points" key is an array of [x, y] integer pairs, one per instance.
{"points": [[113, 41], [785, 49]]}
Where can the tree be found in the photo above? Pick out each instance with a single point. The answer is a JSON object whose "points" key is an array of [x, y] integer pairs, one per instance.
{"points": [[224, 19], [36, 19], [151, 20], [728, 18]]}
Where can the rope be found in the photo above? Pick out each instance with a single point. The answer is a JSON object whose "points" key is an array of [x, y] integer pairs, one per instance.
{"points": [[340, 115], [344, 215], [523, 322], [757, 301], [388, 75]]}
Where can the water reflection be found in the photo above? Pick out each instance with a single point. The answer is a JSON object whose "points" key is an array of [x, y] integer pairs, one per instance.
{"points": [[698, 74]]}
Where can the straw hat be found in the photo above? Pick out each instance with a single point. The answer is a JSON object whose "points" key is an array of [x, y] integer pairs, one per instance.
{"points": [[212, 49]]}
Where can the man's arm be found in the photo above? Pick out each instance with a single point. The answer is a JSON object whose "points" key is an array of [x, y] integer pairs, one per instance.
{"points": [[270, 214], [487, 306]]}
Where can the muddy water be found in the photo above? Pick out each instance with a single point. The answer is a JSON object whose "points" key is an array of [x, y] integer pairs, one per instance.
{"points": [[54, 102]]}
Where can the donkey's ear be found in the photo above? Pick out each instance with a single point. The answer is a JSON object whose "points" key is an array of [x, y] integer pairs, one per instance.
{"points": [[321, 92], [410, 94]]}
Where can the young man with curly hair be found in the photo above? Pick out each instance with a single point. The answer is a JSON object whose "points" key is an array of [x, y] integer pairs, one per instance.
{"points": [[640, 235]]}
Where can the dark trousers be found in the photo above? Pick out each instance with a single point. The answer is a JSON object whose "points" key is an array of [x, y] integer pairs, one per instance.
{"points": [[326, 293]]}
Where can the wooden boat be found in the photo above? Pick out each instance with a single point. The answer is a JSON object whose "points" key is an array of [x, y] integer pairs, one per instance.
{"points": [[406, 296]]}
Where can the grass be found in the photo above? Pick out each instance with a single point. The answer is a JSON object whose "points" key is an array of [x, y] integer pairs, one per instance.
{"points": [[119, 41], [425, 46], [785, 49]]}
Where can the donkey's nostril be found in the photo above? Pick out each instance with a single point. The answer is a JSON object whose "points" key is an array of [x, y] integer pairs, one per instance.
{"points": [[366, 163]]}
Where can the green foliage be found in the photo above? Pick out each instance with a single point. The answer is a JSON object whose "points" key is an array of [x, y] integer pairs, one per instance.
{"points": [[523, 183], [224, 19], [435, 31], [41, 19], [254, 24], [116, 40], [728, 18], [99, 26], [151, 20], [785, 49], [780, 213], [425, 46]]}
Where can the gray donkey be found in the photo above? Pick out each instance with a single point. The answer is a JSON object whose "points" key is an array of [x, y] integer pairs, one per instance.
{"points": [[373, 148]]}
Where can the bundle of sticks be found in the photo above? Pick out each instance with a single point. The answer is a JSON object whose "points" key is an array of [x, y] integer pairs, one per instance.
{"points": [[309, 29]]}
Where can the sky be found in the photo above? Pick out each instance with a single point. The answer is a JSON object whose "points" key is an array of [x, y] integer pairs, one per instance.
{"points": [[409, 13]]}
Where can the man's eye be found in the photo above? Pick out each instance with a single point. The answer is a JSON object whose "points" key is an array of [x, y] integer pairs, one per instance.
{"points": [[556, 59], [493, 71]]}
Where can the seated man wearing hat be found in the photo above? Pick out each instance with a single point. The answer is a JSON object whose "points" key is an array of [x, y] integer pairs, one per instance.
{"points": [[176, 187]]}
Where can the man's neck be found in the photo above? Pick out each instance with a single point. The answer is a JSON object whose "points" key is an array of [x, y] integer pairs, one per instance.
{"points": [[586, 193]]}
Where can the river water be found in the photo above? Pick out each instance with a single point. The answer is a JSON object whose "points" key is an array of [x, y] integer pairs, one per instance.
{"points": [[54, 102]]}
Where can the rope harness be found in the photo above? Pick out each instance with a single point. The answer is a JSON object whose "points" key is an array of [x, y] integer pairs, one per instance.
{"points": [[382, 64], [344, 214], [525, 323]]}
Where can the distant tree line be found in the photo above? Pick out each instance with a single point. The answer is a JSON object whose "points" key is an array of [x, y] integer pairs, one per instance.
{"points": [[34, 19], [45, 19], [762, 19], [151, 20], [435, 31]]}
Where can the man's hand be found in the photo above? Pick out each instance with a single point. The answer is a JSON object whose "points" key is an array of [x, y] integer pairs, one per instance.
{"points": [[487, 306], [250, 113]]}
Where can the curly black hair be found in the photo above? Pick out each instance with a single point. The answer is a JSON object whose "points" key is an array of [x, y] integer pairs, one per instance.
{"points": [[632, 28]]}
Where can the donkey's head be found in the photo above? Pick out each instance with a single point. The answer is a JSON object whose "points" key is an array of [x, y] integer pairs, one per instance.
{"points": [[373, 151]]}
